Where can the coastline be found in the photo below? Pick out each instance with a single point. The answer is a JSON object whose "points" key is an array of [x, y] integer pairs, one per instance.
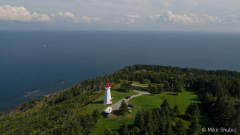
{"points": [[47, 95], [16, 109]]}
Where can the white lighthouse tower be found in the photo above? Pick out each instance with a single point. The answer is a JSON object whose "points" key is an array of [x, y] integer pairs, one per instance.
{"points": [[107, 96]]}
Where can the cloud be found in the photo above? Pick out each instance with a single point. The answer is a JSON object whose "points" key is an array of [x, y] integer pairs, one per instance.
{"points": [[130, 19], [69, 16], [212, 18], [126, 21], [169, 16], [154, 17], [8, 13], [191, 19], [87, 19], [116, 22], [40, 17], [98, 19], [52, 15], [235, 21], [134, 16], [234, 18]]}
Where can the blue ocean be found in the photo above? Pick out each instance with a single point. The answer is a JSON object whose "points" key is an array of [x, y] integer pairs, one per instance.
{"points": [[36, 63]]}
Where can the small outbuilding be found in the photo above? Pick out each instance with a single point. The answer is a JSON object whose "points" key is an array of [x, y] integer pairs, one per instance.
{"points": [[107, 111]]}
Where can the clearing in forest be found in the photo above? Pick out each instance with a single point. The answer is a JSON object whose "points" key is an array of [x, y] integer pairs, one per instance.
{"points": [[183, 100]]}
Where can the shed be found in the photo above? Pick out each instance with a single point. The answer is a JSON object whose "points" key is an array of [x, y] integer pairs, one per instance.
{"points": [[108, 110]]}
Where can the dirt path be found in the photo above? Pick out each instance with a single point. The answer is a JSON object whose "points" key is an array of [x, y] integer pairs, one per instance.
{"points": [[138, 85]]}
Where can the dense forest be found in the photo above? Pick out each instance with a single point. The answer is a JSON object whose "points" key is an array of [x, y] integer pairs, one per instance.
{"points": [[65, 112]]}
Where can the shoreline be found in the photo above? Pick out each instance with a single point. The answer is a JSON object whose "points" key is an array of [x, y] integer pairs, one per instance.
{"points": [[54, 93], [15, 110]]}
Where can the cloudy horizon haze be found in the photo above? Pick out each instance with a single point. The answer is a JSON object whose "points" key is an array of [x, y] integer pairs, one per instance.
{"points": [[121, 15]]}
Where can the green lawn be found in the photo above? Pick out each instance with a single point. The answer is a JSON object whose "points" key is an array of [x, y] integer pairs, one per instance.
{"points": [[148, 102], [182, 101]]}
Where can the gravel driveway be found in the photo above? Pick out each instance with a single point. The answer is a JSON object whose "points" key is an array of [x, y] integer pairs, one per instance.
{"points": [[116, 105]]}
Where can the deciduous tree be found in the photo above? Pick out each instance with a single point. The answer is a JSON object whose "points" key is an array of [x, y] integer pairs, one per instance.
{"points": [[178, 88]]}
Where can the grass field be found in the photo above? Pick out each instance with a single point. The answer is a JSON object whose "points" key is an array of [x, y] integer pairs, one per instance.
{"points": [[114, 122], [182, 100]]}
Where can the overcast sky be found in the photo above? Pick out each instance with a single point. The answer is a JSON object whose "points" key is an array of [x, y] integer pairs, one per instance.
{"points": [[135, 15]]}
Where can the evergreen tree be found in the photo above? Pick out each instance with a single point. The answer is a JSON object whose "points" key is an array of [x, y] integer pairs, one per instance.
{"points": [[155, 126], [149, 129], [149, 88], [139, 122], [106, 131], [208, 102], [227, 113], [219, 92], [155, 119], [148, 118], [236, 122], [189, 109], [153, 114], [165, 105], [194, 127], [153, 90], [96, 115], [192, 111], [168, 130], [176, 110], [135, 131], [180, 128], [124, 129], [219, 111], [115, 133], [82, 121], [157, 114], [162, 122], [166, 108], [89, 124], [196, 112], [123, 108]]}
